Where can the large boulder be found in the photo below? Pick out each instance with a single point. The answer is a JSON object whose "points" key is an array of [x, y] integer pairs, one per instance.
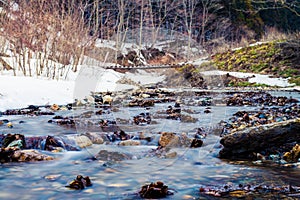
{"points": [[269, 138]]}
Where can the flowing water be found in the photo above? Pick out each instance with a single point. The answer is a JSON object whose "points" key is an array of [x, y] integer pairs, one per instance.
{"points": [[191, 168]]}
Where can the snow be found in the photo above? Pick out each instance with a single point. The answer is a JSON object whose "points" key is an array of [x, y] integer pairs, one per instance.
{"points": [[20, 91], [254, 78], [145, 78]]}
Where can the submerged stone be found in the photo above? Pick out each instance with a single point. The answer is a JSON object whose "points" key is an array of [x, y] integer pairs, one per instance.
{"points": [[112, 156]]}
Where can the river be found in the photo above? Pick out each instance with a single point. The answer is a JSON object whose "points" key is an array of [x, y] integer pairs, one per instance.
{"points": [[185, 174]]}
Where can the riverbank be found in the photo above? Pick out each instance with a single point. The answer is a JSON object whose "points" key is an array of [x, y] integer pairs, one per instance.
{"points": [[155, 145], [20, 92]]}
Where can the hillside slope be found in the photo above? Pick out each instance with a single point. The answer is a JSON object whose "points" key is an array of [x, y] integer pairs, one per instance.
{"points": [[277, 58]]}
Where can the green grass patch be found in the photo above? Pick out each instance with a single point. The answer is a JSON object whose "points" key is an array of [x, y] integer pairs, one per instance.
{"points": [[295, 80]]}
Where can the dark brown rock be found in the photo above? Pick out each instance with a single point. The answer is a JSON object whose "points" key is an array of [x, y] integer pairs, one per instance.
{"points": [[196, 143], [80, 183], [154, 190], [242, 144]]}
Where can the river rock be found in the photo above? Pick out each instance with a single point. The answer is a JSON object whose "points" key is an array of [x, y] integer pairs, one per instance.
{"points": [[168, 139], [154, 190], [96, 138], [14, 140], [12, 154], [112, 156], [293, 155], [196, 143], [188, 119], [80, 183], [264, 138], [83, 141], [30, 155], [130, 143], [171, 155]]}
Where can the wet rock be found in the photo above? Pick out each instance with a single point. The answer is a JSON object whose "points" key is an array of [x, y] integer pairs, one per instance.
{"points": [[63, 120], [52, 143], [118, 135], [54, 107], [130, 143], [142, 119], [48, 143], [154, 190], [243, 119], [14, 140], [106, 123], [12, 154], [107, 99], [265, 138], [153, 93], [250, 191], [80, 183], [9, 125], [83, 141], [174, 116], [141, 103], [196, 143], [188, 119], [257, 99], [207, 111], [96, 138], [184, 140], [168, 139], [30, 155], [206, 101], [142, 137], [293, 155], [30, 110], [112, 156]]}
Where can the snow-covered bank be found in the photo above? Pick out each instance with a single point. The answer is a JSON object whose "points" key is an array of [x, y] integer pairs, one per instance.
{"points": [[254, 78], [19, 91]]}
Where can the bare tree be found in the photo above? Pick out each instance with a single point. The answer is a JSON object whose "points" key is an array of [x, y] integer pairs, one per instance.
{"points": [[189, 8], [46, 30]]}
